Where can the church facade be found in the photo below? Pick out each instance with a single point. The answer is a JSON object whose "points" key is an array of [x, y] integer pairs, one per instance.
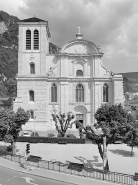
{"points": [[70, 79]]}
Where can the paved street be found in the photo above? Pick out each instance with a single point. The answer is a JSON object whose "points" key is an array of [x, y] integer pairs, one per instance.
{"points": [[11, 177], [14, 174]]}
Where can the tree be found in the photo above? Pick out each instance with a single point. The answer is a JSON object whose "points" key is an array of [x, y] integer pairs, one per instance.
{"points": [[113, 122], [62, 122], [11, 123], [11, 87], [131, 138]]}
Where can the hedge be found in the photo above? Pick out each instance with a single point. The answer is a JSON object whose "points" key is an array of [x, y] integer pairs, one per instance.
{"points": [[50, 140]]}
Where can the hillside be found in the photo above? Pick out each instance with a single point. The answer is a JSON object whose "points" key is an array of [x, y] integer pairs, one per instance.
{"points": [[8, 50], [131, 75], [130, 81]]}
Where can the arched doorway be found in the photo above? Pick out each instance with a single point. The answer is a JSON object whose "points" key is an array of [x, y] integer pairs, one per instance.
{"points": [[81, 114]]}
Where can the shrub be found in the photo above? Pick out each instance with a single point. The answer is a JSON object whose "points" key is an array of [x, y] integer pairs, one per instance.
{"points": [[50, 135], [71, 136], [59, 135], [50, 140], [9, 148]]}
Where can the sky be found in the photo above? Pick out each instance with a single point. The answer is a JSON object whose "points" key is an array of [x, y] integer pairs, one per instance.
{"points": [[110, 24]]}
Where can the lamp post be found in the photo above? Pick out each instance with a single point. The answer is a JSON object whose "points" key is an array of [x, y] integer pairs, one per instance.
{"points": [[34, 121]]}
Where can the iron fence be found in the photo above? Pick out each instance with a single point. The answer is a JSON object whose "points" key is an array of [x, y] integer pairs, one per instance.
{"points": [[86, 172]]}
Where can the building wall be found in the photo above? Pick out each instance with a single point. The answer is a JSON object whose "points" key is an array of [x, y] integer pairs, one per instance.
{"points": [[118, 89], [61, 70]]}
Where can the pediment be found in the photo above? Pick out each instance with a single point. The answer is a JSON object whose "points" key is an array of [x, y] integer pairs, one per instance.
{"points": [[80, 47]]}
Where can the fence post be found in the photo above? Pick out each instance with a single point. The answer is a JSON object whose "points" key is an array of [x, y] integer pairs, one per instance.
{"points": [[103, 175], [53, 166], [48, 165], [114, 177], [59, 166]]}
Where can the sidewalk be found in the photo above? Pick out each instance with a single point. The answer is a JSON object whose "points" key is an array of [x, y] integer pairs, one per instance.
{"points": [[72, 179]]}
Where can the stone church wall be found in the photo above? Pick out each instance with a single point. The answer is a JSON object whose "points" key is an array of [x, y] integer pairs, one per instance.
{"points": [[39, 104], [118, 89]]}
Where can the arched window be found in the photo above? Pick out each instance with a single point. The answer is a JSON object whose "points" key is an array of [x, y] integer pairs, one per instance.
{"points": [[79, 93], [36, 39], [32, 114], [32, 68], [28, 39], [79, 73], [31, 94], [105, 93], [53, 93]]}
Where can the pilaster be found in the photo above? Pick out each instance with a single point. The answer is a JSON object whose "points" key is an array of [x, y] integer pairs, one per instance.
{"points": [[43, 40], [64, 97], [92, 101]]}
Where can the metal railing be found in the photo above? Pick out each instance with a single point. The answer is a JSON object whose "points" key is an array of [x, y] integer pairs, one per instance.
{"points": [[86, 172]]}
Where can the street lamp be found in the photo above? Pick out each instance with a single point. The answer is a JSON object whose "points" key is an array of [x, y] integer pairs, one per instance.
{"points": [[34, 121]]}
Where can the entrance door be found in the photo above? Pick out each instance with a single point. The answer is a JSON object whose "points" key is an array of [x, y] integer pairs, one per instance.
{"points": [[79, 117]]}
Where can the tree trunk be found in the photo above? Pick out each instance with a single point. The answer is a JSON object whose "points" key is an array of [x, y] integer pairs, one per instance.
{"points": [[63, 134], [100, 150], [131, 151], [13, 144], [106, 168]]}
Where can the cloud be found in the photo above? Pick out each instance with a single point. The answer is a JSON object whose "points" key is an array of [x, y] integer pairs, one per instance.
{"points": [[12, 6], [112, 24]]}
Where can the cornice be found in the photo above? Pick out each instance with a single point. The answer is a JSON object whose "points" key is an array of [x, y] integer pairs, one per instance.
{"points": [[60, 79], [77, 55]]}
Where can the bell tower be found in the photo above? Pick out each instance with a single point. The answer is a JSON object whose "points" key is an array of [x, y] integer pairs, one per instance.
{"points": [[33, 46]]}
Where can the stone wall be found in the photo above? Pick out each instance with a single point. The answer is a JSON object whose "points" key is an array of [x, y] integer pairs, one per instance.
{"points": [[118, 89]]}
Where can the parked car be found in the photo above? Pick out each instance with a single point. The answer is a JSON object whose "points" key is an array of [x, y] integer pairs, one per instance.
{"points": [[26, 134]]}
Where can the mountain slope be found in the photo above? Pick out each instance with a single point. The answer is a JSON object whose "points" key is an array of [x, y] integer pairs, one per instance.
{"points": [[8, 50]]}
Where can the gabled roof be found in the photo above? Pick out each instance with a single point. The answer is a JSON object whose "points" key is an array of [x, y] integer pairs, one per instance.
{"points": [[35, 20], [32, 19]]}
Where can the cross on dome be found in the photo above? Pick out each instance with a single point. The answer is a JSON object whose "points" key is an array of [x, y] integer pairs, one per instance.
{"points": [[79, 29], [79, 35]]}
